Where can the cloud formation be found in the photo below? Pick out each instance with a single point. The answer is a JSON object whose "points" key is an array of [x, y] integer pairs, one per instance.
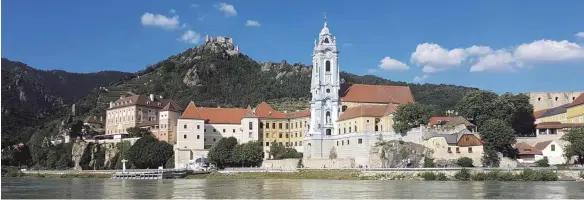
{"points": [[433, 58], [172, 11], [194, 5], [228, 9], [420, 79], [579, 34], [190, 37], [252, 23], [158, 20], [390, 64]]}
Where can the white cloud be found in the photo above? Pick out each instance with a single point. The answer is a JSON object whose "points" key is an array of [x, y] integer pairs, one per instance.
{"points": [[190, 37], [371, 71], [172, 11], [201, 18], [549, 50], [194, 5], [185, 25], [228, 9], [391, 64], [252, 23], [579, 34], [499, 61], [420, 79], [434, 58], [158, 20]]}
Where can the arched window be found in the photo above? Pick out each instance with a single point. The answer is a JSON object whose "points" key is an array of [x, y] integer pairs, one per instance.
{"points": [[328, 66], [376, 128], [326, 40]]}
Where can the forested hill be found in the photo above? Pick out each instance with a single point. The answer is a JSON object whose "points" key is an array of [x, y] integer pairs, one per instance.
{"points": [[214, 74], [31, 96]]}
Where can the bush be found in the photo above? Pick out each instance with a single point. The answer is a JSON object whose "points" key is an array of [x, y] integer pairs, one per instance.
{"points": [[441, 176], [148, 152], [480, 176], [429, 163], [429, 176], [506, 176], [464, 162], [462, 175], [541, 175], [542, 163], [221, 153]]}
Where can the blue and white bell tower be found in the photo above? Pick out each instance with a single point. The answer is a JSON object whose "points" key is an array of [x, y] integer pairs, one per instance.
{"points": [[325, 85]]}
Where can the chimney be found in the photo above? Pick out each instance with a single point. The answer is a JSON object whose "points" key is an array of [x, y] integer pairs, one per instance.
{"points": [[151, 97]]}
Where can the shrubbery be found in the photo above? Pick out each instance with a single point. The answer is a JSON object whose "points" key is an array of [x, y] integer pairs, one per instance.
{"points": [[148, 152], [429, 163], [463, 175], [227, 153], [543, 162], [464, 162]]}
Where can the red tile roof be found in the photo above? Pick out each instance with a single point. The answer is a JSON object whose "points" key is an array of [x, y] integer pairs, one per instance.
{"points": [[215, 115], [299, 114], [93, 120], [264, 110], [539, 113], [578, 101], [542, 145], [434, 120], [376, 94], [557, 125], [367, 111], [526, 149]]}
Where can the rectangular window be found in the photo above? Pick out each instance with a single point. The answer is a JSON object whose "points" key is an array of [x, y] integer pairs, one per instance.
{"points": [[553, 147], [449, 150], [250, 126], [185, 136], [198, 137], [234, 130], [295, 143], [280, 135], [299, 143], [261, 125], [214, 130], [198, 127], [267, 144], [214, 139], [287, 144], [457, 150], [337, 143], [360, 141], [280, 125], [223, 130], [267, 135], [250, 134], [347, 142], [286, 125], [286, 135], [343, 142], [185, 126], [274, 125], [205, 130], [470, 149]]}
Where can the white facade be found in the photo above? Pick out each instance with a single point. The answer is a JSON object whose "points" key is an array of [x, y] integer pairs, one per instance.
{"points": [[190, 134], [555, 153]]}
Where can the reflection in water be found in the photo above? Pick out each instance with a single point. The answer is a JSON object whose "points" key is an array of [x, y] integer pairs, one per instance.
{"points": [[282, 189]]}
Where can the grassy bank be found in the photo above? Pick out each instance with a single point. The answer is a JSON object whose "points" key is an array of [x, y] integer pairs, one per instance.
{"points": [[329, 175], [495, 175]]}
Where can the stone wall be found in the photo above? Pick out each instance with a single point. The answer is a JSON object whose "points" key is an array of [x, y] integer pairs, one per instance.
{"points": [[328, 163], [546, 100], [288, 164]]}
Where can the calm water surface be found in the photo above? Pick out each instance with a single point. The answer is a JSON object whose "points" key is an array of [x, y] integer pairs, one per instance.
{"points": [[19, 188]]}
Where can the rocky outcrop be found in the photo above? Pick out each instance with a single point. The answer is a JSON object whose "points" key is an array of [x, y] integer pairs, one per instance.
{"points": [[77, 152], [398, 154]]}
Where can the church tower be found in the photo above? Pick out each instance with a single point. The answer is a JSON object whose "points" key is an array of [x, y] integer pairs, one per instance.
{"points": [[325, 85]]}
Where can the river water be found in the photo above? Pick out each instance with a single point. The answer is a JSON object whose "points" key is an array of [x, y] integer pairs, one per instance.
{"points": [[46, 188]]}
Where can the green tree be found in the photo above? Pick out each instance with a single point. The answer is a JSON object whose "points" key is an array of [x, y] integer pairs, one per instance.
{"points": [[221, 152], [248, 154], [575, 146], [411, 115], [277, 150], [148, 152], [517, 111], [543, 162], [498, 136], [464, 162], [478, 106], [138, 132]]}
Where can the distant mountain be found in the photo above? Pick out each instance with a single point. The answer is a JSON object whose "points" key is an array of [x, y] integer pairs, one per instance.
{"points": [[30, 96]]}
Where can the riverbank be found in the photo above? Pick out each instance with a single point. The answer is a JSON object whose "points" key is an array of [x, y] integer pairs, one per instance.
{"points": [[459, 175]]}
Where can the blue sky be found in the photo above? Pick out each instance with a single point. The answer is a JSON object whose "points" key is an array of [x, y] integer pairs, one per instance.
{"points": [[499, 45]]}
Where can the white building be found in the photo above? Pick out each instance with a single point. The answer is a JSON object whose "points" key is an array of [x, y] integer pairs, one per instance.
{"points": [[199, 128]]}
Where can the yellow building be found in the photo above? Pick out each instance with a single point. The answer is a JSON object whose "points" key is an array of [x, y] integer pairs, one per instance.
{"points": [[575, 111], [556, 114], [281, 127], [366, 118]]}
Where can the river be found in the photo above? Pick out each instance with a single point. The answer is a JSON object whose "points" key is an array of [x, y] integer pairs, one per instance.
{"points": [[47, 188]]}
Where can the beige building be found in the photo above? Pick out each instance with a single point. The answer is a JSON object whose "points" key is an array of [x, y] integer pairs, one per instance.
{"points": [[153, 113], [547, 100], [287, 129]]}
